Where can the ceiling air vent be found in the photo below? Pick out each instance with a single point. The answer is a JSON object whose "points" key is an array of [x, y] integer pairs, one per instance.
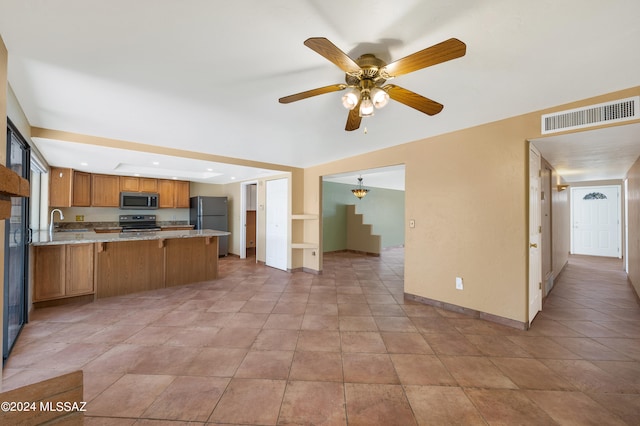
{"points": [[593, 115]]}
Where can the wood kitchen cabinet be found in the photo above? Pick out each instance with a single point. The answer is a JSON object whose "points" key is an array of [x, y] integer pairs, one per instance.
{"points": [[60, 187], [148, 185], [68, 187], [167, 192], [138, 184], [81, 189], [173, 193], [182, 194], [129, 184], [64, 270], [105, 190]]}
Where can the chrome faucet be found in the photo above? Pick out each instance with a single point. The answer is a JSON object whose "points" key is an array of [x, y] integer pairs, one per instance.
{"points": [[51, 220]]}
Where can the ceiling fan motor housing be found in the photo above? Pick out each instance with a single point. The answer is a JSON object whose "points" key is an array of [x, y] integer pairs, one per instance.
{"points": [[369, 72]]}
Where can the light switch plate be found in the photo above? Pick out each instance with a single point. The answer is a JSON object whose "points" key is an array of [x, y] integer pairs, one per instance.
{"points": [[459, 283]]}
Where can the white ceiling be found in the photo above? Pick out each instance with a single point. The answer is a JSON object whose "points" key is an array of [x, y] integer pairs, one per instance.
{"points": [[205, 76]]}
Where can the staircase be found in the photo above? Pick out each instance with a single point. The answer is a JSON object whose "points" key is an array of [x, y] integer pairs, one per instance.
{"points": [[359, 234]]}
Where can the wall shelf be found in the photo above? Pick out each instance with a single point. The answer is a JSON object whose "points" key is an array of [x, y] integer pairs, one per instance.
{"points": [[304, 216], [304, 245]]}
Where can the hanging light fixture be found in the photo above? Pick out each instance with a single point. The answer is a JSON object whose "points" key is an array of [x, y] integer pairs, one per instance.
{"points": [[360, 191]]}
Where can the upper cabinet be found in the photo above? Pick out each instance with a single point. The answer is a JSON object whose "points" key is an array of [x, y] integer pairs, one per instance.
{"points": [[173, 193], [105, 191], [182, 194], [166, 191], [138, 184], [68, 187], [60, 187], [81, 189], [129, 184], [148, 185]]}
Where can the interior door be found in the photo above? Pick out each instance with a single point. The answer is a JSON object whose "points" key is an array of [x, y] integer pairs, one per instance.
{"points": [[595, 216], [535, 223], [277, 217]]}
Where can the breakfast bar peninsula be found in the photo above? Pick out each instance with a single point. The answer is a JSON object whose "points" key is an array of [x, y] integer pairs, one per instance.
{"points": [[88, 264]]}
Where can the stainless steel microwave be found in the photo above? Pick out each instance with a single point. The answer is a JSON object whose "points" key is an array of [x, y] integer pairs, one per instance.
{"points": [[139, 200]]}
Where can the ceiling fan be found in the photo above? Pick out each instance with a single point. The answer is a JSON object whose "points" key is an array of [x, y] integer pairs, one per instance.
{"points": [[366, 76]]}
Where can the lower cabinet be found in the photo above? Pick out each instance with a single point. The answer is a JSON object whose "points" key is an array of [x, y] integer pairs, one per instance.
{"points": [[63, 271], [109, 269]]}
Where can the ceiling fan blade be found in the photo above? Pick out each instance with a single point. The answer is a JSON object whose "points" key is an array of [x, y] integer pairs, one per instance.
{"points": [[312, 92], [413, 100], [329, 50], [354, 119], [438, 53]]}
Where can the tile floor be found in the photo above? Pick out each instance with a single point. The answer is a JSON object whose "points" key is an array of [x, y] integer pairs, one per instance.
{"points": [[261, 346]]}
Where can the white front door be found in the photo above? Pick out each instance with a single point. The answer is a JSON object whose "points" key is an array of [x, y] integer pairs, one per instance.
{"points": [[595, 217], [277, 217], [535, 222]]}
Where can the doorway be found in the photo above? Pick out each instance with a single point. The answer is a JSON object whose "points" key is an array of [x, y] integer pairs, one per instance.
{"points": [[595, 221], [249, 215]]}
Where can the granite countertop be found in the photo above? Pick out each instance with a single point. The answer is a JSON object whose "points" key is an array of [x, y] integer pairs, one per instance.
{"points": [[42, 238]]}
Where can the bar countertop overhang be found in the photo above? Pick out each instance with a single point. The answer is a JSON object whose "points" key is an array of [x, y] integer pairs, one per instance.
{"points": [[41, 238]]}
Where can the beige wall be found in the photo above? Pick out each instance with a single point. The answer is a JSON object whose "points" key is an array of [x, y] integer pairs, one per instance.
{"points": [[467, 192], [633, 199]]}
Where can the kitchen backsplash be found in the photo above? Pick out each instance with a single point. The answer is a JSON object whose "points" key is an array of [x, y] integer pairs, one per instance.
{"points": [[111, 215]]}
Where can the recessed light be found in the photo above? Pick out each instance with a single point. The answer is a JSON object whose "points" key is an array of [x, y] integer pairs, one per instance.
{"points": [[155, 163], [233, 178], [137, 174], [175, 178], [84, 163], [209, 170]]}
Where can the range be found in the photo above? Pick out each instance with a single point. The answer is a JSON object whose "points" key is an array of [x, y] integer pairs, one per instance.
{"points": [[138, 223]]}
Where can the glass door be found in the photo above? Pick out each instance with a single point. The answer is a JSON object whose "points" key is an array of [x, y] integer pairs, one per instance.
{"points": [[16, 247]]}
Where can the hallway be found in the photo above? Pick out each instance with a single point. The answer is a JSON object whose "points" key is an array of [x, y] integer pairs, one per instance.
{"points": [[261, 346]]}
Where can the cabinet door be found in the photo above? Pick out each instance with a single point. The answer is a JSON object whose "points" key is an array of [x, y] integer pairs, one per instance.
{"points": [[148, 185], [166, 189], [182, 194], [60, 182], [105, 191], [79, 269], [81, 189], [49, 272], [129, 184]]}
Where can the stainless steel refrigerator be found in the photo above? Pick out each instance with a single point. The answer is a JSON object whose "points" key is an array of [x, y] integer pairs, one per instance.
{"points": [[210, 213]]}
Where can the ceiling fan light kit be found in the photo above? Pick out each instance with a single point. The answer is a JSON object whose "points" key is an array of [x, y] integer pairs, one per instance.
{"points": [[366, 77], [351, 98]]}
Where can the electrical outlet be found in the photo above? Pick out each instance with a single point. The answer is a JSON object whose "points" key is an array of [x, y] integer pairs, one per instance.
{"points": [[79, 218], [313, 253], [459, 284]]}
